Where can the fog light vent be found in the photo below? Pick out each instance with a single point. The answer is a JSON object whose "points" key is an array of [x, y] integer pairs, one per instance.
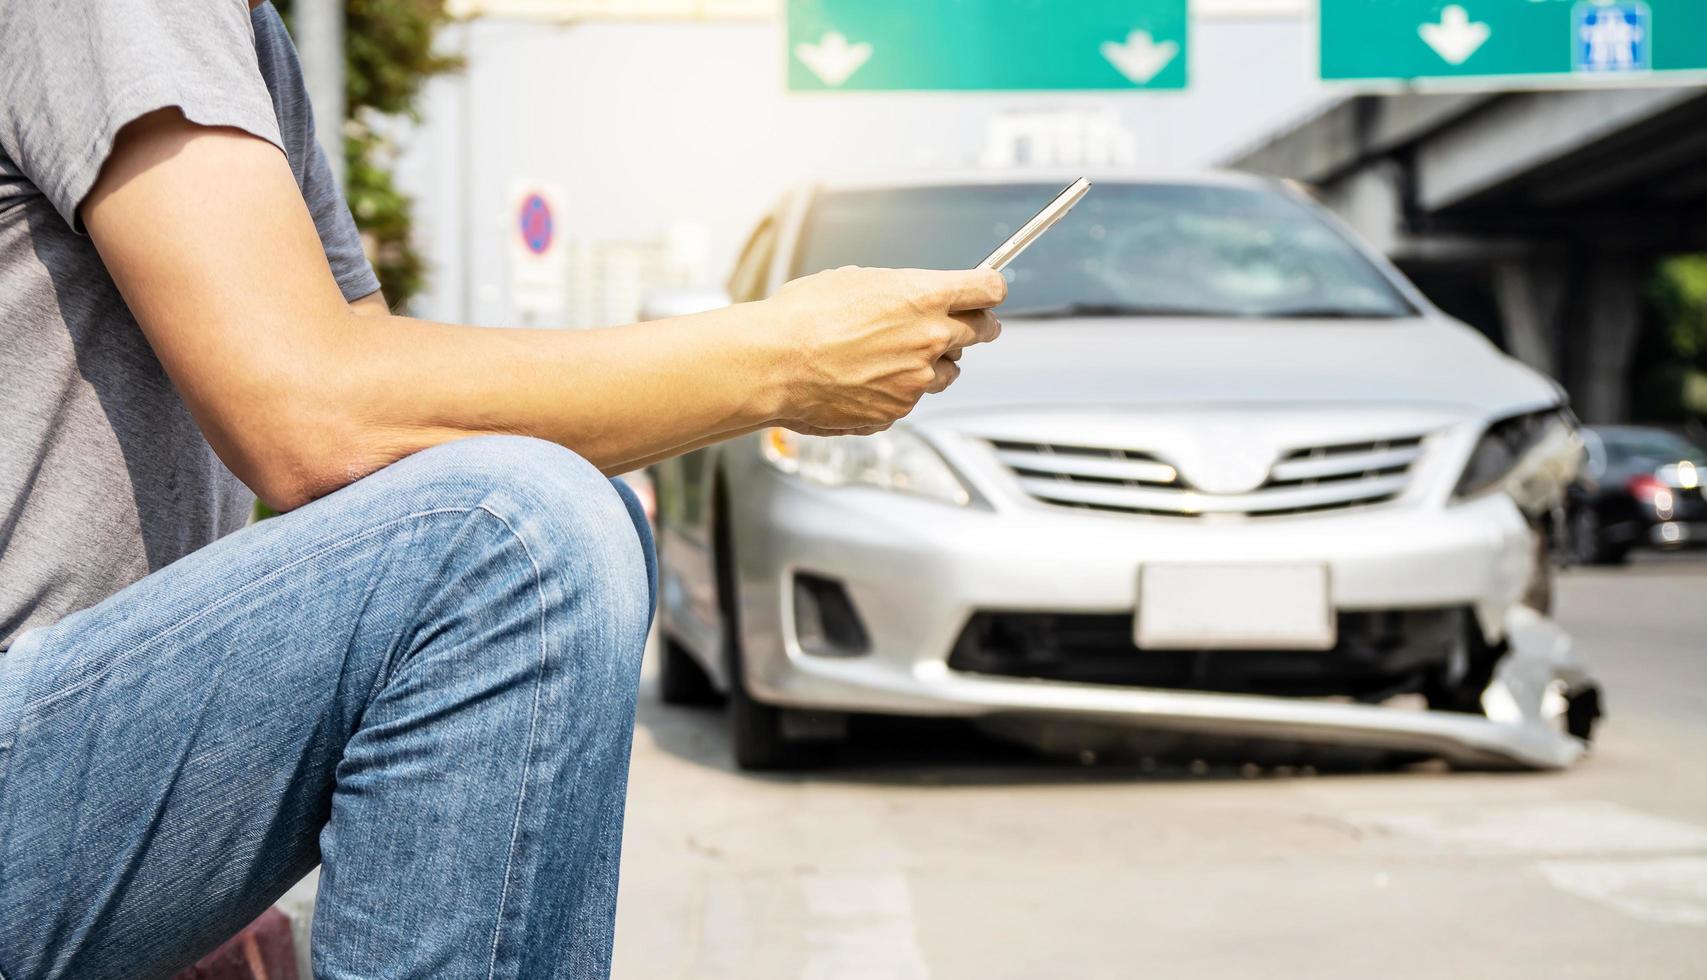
{"points": [[825, 623]]}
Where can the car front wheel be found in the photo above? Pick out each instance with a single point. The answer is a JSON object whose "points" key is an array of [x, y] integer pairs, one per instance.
{"points": [[681, 680]]}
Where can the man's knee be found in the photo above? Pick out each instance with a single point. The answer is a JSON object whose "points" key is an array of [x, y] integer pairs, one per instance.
{"points": [[569, 519]]}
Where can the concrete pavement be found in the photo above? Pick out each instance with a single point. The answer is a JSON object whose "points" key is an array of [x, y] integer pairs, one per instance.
{"points": [[938, 854]]}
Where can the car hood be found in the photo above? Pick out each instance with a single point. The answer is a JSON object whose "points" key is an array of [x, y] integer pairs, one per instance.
{"points": [[1426, 363]]}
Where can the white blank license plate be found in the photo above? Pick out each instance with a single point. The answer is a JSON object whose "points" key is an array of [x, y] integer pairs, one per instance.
{"points": [[1256, 606]]}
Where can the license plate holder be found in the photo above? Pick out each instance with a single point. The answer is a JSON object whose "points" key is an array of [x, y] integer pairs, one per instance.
{"points": [[1242, 606]]}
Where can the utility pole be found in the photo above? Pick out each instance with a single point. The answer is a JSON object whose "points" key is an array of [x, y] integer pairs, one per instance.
{"points": [[320, 42]]}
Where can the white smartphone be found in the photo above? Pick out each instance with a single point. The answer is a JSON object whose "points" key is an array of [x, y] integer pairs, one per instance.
{"points": [[1032, 230]]}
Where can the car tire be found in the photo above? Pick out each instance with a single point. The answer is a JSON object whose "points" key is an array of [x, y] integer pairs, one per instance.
{"points": [[1588, 540], [756, 734], [681, 680], [755, 728]]}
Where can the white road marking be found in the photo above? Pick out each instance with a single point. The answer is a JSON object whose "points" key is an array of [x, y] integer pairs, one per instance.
{"points": [[725, 928], [1668, 890], [1541, 829], [859, 926], [858, 905]]}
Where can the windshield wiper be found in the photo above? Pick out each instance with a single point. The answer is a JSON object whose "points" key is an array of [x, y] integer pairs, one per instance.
{"points": [[1330, 313], [1073, 311]]}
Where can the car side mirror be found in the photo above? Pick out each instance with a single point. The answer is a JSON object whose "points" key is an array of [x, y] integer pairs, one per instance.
{"points": [[661, 304]]}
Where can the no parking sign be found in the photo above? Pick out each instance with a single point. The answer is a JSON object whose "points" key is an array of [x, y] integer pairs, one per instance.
{"points": [[537, 223], [539, 268]]}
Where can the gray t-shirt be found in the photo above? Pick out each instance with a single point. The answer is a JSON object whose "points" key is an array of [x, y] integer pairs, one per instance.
{"points": [[104, 477]]}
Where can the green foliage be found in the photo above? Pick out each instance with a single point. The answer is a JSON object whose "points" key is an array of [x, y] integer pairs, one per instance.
{"points": [[1674, 387], [1679, 293], [388, 46], [383, 213]]}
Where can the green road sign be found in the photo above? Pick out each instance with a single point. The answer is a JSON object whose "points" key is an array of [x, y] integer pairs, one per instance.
{"points": [[986, 45], [1511, 42]]}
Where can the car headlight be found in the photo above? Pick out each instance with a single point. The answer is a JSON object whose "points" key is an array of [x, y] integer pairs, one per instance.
{"points": [[1507, 444], [894, 460]]}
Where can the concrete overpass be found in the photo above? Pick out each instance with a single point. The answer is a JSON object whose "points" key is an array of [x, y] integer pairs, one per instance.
{"points": [[1534, 215]]}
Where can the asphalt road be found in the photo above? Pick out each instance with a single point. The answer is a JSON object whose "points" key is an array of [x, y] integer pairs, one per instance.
{"points": [[936, 853]]}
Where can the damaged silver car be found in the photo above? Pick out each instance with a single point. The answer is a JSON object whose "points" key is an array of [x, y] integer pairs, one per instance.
{"points": [[1225, 475]]}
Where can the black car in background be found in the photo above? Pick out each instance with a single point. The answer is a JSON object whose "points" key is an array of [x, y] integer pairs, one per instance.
{"points": [[1639, 486]]}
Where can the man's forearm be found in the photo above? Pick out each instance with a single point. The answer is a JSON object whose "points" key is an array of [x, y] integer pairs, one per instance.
{"points": [[674, 451], [620, 397], [374, 305]]}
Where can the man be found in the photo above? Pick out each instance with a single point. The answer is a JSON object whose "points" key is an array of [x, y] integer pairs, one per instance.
{"points": [[421, 675]]}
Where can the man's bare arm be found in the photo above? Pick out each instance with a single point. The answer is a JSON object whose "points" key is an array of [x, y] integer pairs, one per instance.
{"points": [[373, 304], [206, 235]]}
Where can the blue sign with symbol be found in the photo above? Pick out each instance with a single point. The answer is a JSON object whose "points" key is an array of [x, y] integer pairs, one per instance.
{"points": [[536, 224], [1613, 37]]}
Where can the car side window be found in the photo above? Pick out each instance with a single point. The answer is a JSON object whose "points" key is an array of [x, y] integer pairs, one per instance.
{"points": [[748, 282]]}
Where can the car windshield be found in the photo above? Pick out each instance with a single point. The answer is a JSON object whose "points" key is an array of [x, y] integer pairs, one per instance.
{"points": [[1650, 446], [1127, 250]]}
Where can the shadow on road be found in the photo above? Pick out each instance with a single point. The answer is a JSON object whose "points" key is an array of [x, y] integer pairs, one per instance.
{"points": [[954, 752], [1687, 562]]}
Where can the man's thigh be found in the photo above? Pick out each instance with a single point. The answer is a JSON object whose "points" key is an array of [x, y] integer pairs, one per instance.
{"points": [[168, 757]]}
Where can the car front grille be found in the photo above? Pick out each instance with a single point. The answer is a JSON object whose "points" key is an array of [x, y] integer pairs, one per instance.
{"points": [[1377, 654], [1132, 481]]}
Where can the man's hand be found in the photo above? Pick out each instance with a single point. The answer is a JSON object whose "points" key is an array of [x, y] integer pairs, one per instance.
{"points": [[869, 343]]}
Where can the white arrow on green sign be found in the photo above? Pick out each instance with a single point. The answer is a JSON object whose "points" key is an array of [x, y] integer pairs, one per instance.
{"points": [[986, 45], [1511, 43]]}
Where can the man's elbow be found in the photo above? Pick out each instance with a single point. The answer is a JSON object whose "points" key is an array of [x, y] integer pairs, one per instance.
{"points": [[299, 423], [303, 459], [285, 480], [285, 488]]}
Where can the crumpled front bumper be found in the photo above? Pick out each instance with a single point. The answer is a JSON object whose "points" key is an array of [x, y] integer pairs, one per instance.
{"points": [[1527, 706], [1530, 705], [916, 587]]}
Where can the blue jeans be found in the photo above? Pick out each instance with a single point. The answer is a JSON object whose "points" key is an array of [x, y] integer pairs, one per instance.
{"points": [[424, 681]]}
